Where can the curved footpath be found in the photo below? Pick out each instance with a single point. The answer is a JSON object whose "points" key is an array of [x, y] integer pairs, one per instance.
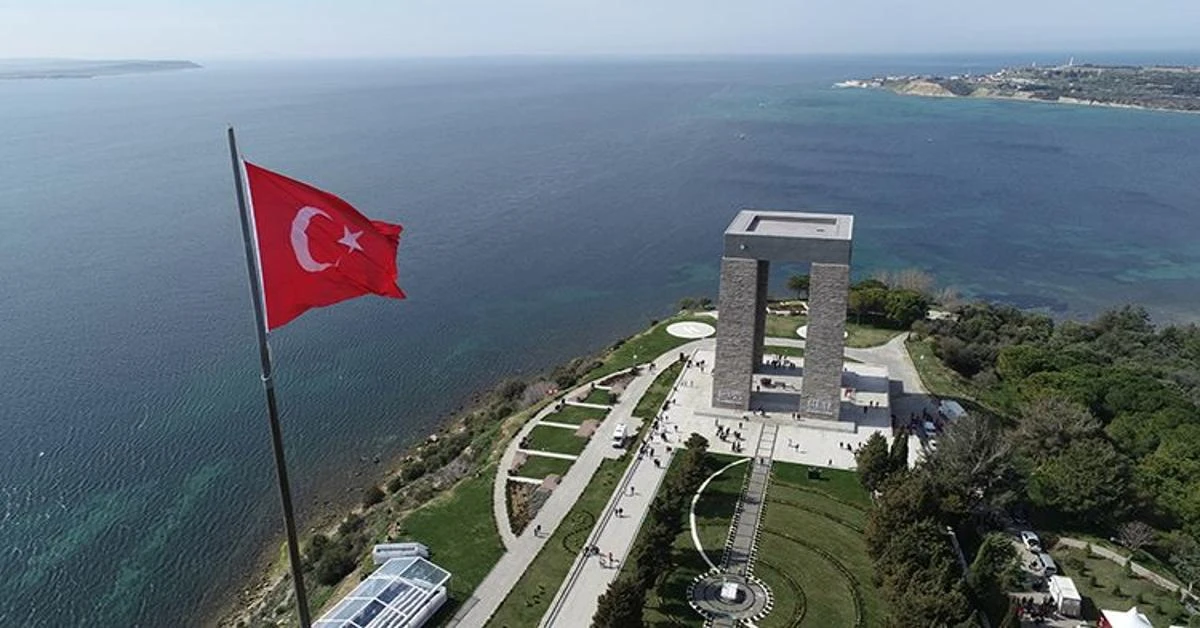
{"points": [[500, 485], [579, 594], [521, 550]]}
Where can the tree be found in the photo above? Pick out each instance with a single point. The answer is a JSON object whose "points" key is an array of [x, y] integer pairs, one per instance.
{"points": [[905, 307], [799, 284], [993, 574], [874, 466], [1087, 484], [974, 466], [620, 606], [1135, 535], [1048, 424], [696, 441], [898, 456]]}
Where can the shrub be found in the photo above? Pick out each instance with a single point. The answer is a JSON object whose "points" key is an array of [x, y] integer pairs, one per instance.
{"points": [[373, 495], [413, 470], [395, 484], [351, 524]]}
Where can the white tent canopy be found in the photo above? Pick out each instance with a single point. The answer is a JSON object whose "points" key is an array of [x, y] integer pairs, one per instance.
{"points": [[1132, 618]]}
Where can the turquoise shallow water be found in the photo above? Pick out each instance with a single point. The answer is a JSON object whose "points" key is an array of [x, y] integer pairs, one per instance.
{"points": [[549, 207]]}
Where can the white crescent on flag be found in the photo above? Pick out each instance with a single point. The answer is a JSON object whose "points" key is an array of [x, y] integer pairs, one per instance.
{"points": [[300, 239]]}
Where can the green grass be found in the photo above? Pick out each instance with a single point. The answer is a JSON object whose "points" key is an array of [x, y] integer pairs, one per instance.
{"points": [[461, 534], [1159, 605], [784, 326], [575, 415], [794, 352], [862, 336], [812, 553], [942, 381], [644, 347], [840, 485], [531, 596], [667, 606], [542, 466], [599, 396], [650, 403], [556, 439], [938, 378]]}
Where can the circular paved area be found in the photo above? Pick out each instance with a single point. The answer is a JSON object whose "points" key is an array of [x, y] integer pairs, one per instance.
{"points": [[691, 329], [802, 331], [751, 601]]}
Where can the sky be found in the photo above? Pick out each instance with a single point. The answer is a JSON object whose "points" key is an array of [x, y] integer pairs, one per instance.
{"points": [[218, 29]]}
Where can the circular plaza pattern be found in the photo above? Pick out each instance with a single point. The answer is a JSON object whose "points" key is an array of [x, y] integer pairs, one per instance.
{"points": [[691, 329], [749, 602]]}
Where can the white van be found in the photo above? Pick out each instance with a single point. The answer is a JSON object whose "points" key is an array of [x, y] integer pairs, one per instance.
{"points": [[1047, 564], [619, 435]]}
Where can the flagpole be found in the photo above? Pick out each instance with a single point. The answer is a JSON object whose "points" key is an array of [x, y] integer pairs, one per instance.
{"points": [[264, 350]]}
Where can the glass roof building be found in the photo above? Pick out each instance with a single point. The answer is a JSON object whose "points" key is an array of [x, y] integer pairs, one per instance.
{"points": [[403, 593]]}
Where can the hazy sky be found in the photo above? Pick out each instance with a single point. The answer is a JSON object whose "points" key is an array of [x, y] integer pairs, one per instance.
{"points": [[213, 29]]}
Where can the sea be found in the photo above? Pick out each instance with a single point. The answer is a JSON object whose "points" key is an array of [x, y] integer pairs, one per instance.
{"points": [[551, 206]]}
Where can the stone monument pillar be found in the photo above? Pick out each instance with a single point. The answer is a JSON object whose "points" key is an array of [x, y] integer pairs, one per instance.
{"points": [[752, 241]]}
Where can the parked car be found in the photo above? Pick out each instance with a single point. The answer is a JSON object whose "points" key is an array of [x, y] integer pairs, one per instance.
{"points": [[1031, 541]]}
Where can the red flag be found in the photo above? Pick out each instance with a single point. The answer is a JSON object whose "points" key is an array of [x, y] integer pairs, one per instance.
{"points": [[316, 249]]}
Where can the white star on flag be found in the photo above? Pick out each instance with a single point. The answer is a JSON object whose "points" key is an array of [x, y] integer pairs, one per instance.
{"points": [[350, 239]]}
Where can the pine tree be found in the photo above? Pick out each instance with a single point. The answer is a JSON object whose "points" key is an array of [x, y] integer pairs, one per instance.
{"points": [[899, 453], [873, 463], [620, 606]]}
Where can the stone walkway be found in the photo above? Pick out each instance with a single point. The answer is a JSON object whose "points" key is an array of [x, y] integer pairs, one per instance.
{"points": [[521, 550], [578, 598]]}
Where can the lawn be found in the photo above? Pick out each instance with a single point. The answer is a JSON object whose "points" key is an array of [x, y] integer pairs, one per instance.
{"points": [[784, 326], [938, 378], [667, 604], [644, 347], [651, 402], [575, 415], [556, 439], [1104, 584], [942, 381], [531, 596], [461, 534], [812, 553], [600, 396], [794, 352], [862, 336], [541, 466]]}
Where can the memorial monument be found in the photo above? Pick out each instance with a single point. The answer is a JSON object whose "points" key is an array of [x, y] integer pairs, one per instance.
{"points": [[753, 240]]}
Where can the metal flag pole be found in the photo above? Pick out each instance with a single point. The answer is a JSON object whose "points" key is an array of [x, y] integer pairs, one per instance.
{"points": [[264, 350]]}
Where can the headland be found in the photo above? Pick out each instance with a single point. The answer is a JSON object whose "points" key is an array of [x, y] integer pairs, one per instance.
{"points": [[14, 69], [1158, 87]]}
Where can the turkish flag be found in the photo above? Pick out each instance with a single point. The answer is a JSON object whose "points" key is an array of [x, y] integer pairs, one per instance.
{"points": [[315, 249]]}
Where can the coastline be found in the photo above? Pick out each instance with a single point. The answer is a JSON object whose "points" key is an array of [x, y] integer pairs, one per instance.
{"points": [[257, 587], [1061, 101]]}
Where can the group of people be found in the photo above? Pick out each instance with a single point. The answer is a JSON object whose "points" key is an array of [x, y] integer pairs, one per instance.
{"points": [[1031, 610]]}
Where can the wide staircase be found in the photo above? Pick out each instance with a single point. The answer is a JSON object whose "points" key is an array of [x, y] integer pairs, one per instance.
{"points": [[742, 544]]}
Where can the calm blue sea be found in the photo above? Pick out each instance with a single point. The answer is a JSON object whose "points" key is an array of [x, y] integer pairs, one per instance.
{"points": [[550, 207]]}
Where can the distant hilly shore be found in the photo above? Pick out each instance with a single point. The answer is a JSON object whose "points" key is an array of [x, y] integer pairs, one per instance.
{"points": [[12, 69]]}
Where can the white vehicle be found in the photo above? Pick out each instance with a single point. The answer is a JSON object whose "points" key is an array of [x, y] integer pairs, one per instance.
{"points": [[619, 435], [1066, 596], [1047, 565], [1031, 541], [930, 428]]}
